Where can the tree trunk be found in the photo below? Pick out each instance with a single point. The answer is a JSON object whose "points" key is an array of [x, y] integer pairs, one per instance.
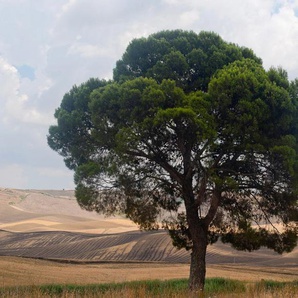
{"points": [[198, 261], [198, 230]]}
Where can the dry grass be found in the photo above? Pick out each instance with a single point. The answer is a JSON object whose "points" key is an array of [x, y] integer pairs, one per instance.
{"points": [[19, 271], [215, 288]]}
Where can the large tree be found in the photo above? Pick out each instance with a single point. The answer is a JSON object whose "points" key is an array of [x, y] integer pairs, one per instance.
{"points": [[192, 135]]}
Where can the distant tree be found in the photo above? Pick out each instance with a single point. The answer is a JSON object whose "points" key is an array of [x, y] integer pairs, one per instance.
{"points": [[193, 126]]}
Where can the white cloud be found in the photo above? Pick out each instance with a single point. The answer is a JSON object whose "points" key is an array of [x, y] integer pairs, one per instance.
{"points": [[282, 49], [13, 100], [88, 50], [189, 17], [67, 6]]}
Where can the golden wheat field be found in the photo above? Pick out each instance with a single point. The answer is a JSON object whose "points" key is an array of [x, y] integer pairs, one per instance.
{"points": [[46, 238]]}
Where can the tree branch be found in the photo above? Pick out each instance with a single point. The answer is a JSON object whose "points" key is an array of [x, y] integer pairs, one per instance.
{"points": [[215, 200], [202, 191], [166, 166]]}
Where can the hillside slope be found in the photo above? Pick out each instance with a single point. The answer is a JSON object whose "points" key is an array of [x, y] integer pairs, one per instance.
{"points": [[50, 225]]}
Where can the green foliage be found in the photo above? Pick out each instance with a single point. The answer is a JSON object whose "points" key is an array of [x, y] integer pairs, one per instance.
{"points": [[179, 231], [221, 285], [249, 239], [186, 57], [71, 137]]}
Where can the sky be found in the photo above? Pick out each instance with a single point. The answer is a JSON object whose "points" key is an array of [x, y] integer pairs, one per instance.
{"points": [[48, 46]]}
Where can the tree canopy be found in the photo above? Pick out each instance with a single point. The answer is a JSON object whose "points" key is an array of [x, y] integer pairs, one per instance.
{"points": [[192, 135], [188, 58]]}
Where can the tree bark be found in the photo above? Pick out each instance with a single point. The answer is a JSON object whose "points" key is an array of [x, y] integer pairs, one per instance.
{"points": [[198, 260], [198, 230]]}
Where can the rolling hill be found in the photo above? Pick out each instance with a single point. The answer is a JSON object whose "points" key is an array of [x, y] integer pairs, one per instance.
{"points": [[50, 225]]}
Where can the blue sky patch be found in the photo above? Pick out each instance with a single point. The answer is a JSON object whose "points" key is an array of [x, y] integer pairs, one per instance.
{"points": [[26, 71]]}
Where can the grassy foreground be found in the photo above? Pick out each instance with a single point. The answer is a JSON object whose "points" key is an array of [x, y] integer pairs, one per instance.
{"points": [[215, 288]]}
